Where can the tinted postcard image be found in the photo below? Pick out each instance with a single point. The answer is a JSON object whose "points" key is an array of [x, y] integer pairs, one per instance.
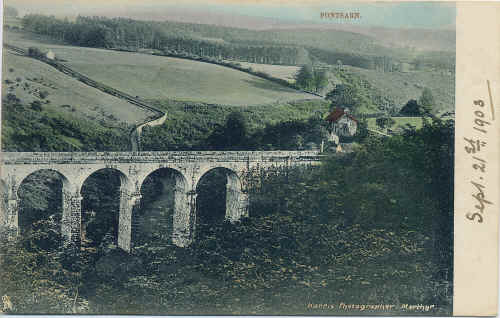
{"points": [[219, 157]]}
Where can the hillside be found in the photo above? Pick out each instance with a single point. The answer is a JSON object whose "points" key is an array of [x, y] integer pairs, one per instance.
{"points": [[27, 78], [398, 87], [155, 77]]}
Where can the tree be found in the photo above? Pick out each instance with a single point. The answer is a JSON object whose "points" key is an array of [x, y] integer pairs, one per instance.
{"points": [[384, 122], [44, 94], [320, 80], [235, 131], [362, 132], [344, 96], [305, 78], [426, 101], [35, 52], [412, 108], [13, 99], [36, 105]]}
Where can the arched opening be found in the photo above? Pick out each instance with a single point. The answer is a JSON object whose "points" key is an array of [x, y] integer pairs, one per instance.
{"points": [[163, 196], [219, 196], [101, 193], [40, 209]]}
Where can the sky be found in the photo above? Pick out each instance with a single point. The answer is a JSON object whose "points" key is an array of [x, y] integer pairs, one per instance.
{"points": [[428, 15]]}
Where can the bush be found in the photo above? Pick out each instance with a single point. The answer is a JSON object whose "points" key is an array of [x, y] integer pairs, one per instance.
{"points": [[384, 122], [36, 105], [35, 52], [44, 94], [412, 108], [44, 235], [12, 98]]}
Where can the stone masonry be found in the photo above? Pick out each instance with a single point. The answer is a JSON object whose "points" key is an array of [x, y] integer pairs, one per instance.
{"points": [[134, 168]]}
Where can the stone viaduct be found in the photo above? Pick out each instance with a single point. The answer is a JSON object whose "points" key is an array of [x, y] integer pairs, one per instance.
{"points": [[134, 167]]}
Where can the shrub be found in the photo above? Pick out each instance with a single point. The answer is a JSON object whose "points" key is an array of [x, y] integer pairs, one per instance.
{"points": [[12, 98], [412, 108], [44, 94], [36, 105], [35, 52]]}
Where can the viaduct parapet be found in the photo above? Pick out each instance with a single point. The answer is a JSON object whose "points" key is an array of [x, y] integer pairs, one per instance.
{"points": [[134, 167]]}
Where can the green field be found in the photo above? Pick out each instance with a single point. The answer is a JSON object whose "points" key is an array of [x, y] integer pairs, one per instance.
{"points": [[156, 77], [400, 122], [27, 77]]}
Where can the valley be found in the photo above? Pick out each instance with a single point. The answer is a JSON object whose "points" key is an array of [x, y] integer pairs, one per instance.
{"points": [[370, 222]]}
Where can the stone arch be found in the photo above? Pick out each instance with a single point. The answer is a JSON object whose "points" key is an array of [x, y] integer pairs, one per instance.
{"points": [[236, 201], [15, 203], [171, 214], [232, 169], [119, 222], [124, 180]]}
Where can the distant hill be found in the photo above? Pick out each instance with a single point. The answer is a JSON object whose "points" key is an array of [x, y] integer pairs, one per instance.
{"points": [[365, 48], [420, 39]]}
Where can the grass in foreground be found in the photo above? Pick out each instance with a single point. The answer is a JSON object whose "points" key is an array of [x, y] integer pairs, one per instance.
{"points": [[268, 271]]}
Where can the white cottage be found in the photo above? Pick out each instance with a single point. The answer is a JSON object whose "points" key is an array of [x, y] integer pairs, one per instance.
{"points": [[342, 124], [50, 55]]}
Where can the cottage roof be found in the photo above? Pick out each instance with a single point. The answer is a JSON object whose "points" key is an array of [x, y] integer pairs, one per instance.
{"points": [[338, 113]]}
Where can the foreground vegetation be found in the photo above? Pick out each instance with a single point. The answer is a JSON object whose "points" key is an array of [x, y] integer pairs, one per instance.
{"points": [[373, 226], [197, 126], [32, 127]]}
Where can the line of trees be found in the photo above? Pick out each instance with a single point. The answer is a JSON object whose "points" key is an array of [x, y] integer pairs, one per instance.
{"points": [[135, 35], [270, 47]]}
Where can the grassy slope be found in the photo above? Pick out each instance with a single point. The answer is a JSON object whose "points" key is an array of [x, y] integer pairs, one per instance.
{"points": [[155, 77], [401, 87], [84, 101]]}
